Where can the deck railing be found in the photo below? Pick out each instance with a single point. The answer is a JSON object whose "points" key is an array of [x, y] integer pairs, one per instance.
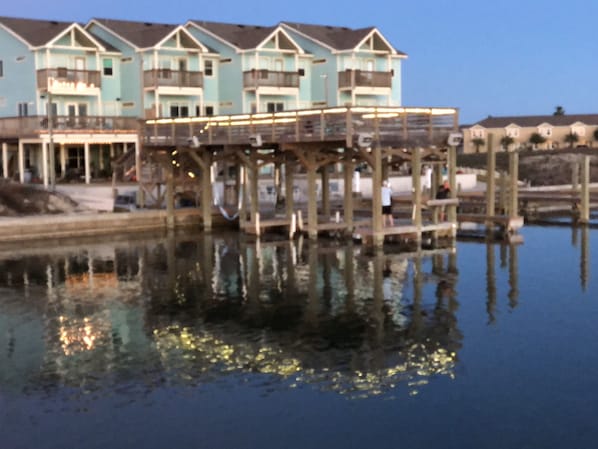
{"points": [[63, 75], [172, 78], [269, 78], [33, 126], [347, 126], [362, 78]]}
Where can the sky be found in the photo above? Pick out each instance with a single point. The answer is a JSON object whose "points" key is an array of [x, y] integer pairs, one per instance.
{"points": [[502, 58]]}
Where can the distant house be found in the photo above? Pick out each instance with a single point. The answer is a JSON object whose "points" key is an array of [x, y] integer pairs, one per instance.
{"points": [[261, 68], [535, 132], [350, 66], [163, 61], [56, 88]]}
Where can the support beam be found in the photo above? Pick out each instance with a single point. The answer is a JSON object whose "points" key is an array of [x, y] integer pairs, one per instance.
{"points": [[170, 198], [417, 191], [5, 160], [377, 223], [325, 191], [584, 216], [44, 172], [87, 162], [514, 188], [289, 180], [452, 179], [490, 182], [312, 201], [21, 162], [206, 193], [348, 170]]}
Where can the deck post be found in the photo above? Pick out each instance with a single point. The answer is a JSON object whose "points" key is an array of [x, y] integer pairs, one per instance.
{"points": [[575, 176], [312, 200], [169, 198], [325, 192], [253, 193], [584, 216], [348, 169], [503, 202], [417, 191], [377, 224], [44, 172], [206, 192], [490, 182], [5, 160], [289, 182], [514, 189], [452, 179], [21, 162]]}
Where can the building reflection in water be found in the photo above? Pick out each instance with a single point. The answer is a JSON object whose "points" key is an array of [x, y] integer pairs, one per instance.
{"points": [[189, 310]]}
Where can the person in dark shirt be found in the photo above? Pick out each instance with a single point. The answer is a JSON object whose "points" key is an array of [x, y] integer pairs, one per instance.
{"points": [[443, 192]]}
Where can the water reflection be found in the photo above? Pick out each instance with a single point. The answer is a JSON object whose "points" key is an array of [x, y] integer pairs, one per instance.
{"points": [[508, 259], [191, 310]]}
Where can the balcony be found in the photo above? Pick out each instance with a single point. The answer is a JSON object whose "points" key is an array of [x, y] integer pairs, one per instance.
{"points": [[34, 126], [351, 79], [172, 78], [63, 80], [268, 78]]}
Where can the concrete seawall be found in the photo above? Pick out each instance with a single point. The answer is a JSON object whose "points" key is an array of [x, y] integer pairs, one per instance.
{"points": [[14, 229]]}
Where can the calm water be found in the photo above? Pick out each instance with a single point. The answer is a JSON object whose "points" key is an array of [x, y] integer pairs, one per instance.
{"points": [[218, 342]]}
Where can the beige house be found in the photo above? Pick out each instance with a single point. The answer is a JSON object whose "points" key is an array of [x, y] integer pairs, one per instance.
{"points": [[534, 132]]}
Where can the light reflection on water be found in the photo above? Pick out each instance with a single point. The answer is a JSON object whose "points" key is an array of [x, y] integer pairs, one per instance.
{"points": [[136, 320], [181, 310]]}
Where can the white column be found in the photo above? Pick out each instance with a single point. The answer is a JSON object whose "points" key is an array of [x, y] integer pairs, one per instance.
{"points": [[21, 162], [4, 160], [87, 164], [45, 163], [62, 160]]}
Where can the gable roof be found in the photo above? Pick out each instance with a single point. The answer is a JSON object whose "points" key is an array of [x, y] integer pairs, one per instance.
{"points": [[537, 120], [244, 37], [139, 34], [336, 38], [35, 32]]}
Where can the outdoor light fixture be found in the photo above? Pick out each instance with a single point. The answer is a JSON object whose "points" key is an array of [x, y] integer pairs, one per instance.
{"points": [[364, 140], [255, 140]]}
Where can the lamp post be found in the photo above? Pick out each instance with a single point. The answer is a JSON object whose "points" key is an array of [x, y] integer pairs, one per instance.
{"points": [[51, 162]]}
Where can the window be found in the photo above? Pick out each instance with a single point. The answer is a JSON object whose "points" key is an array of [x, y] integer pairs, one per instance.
{"points": [[179, 110], [208, 110], [274, 107], [512, 132], [477, 133], [545, 131], [1, 68], [23, 109], [208, 67], [107, 65]]}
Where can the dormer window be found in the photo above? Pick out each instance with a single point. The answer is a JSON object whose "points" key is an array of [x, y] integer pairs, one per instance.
{"points": [[545, 131], [512, 132], [579, 130], [477, 133]]}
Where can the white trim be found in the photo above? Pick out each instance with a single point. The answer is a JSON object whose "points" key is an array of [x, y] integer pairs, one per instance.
{"points": [[160, 44], [70, 29]]}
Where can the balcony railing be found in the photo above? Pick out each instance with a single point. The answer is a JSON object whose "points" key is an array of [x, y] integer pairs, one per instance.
{"points": [[172, 78], [268, 78], [62, 75], [33, 126], [362, 78]]}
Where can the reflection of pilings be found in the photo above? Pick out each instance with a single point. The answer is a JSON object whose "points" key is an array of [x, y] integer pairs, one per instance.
{"points": [[349, 277], [513, 276], [417, 323], [377, 313], [585, 257], [503, 255], [171, 264], [490, 284], [313, 304]]}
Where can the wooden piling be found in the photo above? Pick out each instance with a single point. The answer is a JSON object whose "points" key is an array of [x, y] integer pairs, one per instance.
{"points": [[584, 212]]}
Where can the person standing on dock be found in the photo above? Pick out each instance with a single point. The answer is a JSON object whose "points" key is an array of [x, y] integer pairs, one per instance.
{"points": [[443, 193], [387, 204]]}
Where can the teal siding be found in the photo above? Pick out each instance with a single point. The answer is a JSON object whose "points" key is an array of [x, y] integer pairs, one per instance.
{"points": [[18, 83]]}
